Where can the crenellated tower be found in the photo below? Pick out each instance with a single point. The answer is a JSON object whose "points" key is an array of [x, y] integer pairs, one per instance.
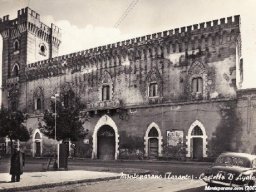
{"points": [[25, 40]]}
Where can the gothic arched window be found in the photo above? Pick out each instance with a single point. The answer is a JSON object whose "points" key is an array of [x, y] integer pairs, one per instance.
{"points": [[68, 98], [16, 45], [38, 99], [106, 87], [154, 84], [15, 70], [38, 104], [197, 131]]}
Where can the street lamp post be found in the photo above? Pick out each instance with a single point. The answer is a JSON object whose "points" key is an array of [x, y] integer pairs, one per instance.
{"points": [[55, 115], [55, 121]]}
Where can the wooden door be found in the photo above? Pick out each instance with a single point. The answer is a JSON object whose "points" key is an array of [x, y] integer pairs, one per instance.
{"points": [[197, 148], [106, 143], [38, 149], [153, 148]]}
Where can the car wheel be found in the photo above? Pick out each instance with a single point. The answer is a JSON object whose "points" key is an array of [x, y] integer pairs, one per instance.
{"points": [[251, 183]]}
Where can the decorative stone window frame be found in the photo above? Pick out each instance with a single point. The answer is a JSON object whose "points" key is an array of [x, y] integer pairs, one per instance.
{"points": [[104, 120], [34, 141], [106, 80], [160, 139], [38, 94], [189, 138], [66, 92], [197, 70], [154, 77]]}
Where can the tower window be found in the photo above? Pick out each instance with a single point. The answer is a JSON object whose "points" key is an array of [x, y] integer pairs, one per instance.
{"points": [[15, 71], [153, 89], [197, 85], [105, 92], [42, 50], [16, 45]]}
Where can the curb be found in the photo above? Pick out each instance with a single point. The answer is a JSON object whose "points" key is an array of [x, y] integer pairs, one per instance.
{"points": [[171, 162], [150, 161], [26, 188]]}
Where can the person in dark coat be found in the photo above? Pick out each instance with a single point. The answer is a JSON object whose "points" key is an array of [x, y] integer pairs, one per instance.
{"points": [[17, 164]]}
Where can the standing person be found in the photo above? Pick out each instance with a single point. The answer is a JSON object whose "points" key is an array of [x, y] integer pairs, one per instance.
{"points": [[17, 164]]}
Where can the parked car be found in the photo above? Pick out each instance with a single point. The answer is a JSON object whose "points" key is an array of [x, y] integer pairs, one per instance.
{"points": [[232, 169]]}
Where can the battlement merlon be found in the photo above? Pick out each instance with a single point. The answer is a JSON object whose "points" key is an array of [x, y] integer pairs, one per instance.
{"points": [[215, 27], [55, 31], [31, 19]]}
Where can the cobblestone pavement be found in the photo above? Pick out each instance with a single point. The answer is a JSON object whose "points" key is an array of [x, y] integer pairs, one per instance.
{"points": [[132, 185]]}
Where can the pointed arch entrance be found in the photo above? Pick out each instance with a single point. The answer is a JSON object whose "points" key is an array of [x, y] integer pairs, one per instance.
{"points": [[37, 143], [196, 141], [153, 141], [105, 139]]}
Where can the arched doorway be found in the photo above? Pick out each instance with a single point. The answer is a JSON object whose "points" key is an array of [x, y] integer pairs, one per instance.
{"points": [[196, 141], [153, 141], [106, 143], [103, 132], [37, 144]]}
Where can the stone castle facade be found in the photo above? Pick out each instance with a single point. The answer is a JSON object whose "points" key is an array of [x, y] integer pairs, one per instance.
{"points": [[150, 96]]}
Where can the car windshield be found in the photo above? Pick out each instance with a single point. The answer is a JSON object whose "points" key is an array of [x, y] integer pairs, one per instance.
{"points": [[233, 161]]}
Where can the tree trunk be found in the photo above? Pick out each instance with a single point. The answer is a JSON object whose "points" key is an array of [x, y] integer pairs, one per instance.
{"points": [[11, 147]]}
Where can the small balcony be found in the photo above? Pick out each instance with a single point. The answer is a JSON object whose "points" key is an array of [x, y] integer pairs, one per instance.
{"points": [[103, 105], [155, 100], [12, 80]]}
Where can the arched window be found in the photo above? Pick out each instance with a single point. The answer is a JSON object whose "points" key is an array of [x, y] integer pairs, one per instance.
{"points": [[154, 84], [197, 85], [68, 99], [197, 131], [106, 87], [38, 104], [16, 45], [153, 132], [15, 70], [38, 99], [42, 49], [37, 136]]}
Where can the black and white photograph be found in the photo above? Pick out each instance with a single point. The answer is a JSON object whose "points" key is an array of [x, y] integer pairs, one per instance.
{"points": [[127, 95]]}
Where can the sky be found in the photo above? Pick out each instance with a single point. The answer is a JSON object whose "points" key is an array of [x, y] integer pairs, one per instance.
{"points": [[90, 23]]}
